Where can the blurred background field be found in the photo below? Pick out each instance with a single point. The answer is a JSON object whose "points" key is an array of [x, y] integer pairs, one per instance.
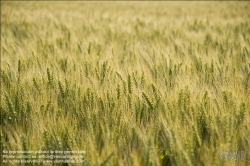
{"points": [[131, 83]]}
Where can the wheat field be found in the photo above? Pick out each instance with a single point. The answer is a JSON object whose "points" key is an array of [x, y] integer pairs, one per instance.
{"points": [[130, 83]]}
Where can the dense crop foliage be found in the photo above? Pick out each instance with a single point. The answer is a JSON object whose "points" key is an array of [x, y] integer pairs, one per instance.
{"points": [[131, 83]]}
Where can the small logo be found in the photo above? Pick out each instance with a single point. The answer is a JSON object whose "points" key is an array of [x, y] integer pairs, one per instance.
{"points": [[238, 155]]}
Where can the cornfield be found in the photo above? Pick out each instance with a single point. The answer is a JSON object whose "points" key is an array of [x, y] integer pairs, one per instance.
{"points": [[130, 83]]}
